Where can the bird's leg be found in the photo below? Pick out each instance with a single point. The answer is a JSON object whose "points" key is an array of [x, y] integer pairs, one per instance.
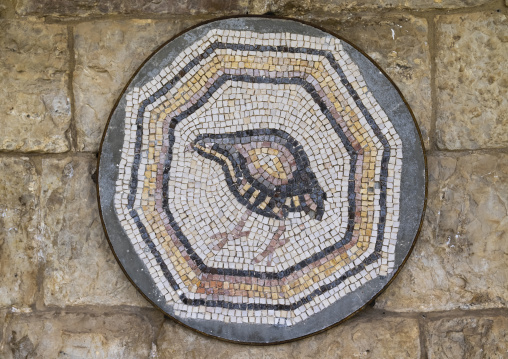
{"points": [[235, 233], [275, 243]]}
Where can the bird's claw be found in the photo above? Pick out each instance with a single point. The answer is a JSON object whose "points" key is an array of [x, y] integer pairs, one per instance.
{"points": [[268, 252], [275, 243]]}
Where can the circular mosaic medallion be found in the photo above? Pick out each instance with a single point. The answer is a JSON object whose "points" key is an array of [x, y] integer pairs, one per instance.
{"points": [[261, 180]]}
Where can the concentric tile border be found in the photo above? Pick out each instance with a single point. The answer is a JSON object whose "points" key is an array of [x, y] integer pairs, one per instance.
{"points": [[412, 191]]}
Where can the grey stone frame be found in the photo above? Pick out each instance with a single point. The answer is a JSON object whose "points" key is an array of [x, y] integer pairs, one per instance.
{"points": [[412, 199]]}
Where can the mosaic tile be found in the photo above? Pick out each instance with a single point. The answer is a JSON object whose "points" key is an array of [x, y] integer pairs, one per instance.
{"points": [[258, 178]]}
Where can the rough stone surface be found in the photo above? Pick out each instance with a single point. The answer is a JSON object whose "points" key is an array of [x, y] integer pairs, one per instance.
{"points": [[460, 258], [399, 45], [3, 318], [7, 8], [19, 211], [80, 335], [326, 7], [365, 336], [80, 267], [53, 253], [472, 81], [93, 7], [35, 108], [469, 337], [107, 55]]}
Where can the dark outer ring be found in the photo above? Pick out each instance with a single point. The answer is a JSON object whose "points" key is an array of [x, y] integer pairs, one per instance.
{"points": [[268, 334]]}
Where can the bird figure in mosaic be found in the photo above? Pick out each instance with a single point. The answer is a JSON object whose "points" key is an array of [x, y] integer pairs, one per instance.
{"points": [[269, 173]]}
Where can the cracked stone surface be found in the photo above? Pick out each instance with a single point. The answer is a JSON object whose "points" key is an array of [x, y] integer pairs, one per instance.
{"points": [[19, 243], [399, 45], [80, 335], [35, 109], [80, 268], [7, 8], [143, 7], [362, 337], [3, 318], [460, 258], [107, 55], [327, 7], [472, 81], [470, 337]]}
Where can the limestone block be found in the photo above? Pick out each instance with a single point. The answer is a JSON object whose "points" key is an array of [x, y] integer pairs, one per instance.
{"points": [[3, 320], [472, 81], [79, 265], [469, 337], [365, 336], [460, 258], [7, 8], [19, 243], [107, 55], [399, 45], [143, 7], [80, 335], [329, 7], [35, 109]]}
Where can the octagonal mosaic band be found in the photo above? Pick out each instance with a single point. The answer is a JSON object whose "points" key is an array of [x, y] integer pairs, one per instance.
{"points": [[261, 180]]}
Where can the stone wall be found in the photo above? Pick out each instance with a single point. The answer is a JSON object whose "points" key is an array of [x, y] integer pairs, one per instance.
{"points": [[64, 63]]}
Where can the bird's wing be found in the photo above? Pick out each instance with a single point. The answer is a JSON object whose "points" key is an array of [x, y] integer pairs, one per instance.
{"points": [[273, 163]]}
